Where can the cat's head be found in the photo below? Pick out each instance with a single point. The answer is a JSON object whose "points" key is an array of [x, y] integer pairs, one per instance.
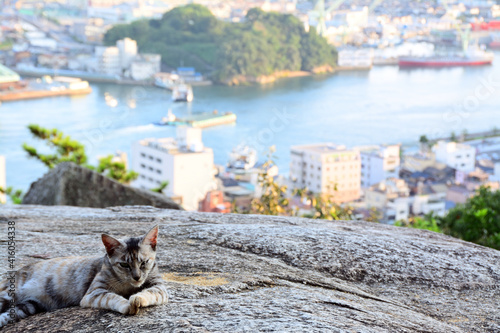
{"points": [[133, 258]]}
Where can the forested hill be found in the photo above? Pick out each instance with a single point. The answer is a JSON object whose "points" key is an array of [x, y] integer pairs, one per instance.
{"points": [[264, 44]]}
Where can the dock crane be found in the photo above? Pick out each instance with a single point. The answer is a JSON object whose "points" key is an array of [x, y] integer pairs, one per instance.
{"points": [[322, 12]]}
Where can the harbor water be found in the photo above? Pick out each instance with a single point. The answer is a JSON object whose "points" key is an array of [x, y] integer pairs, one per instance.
{"points": [[384, 105]]}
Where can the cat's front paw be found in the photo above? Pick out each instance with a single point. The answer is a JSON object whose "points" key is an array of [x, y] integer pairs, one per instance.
{"points": [[136, 302], [124, 309]]}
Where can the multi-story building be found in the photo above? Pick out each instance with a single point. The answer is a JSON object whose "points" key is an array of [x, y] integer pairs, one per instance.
{"points": [[145, 66], [123, 60], [2, 179], [379, 163], [214, 202], [327, 168], [128, 51], [108, 60], [459, 156], [184, 163], [393, 197]]}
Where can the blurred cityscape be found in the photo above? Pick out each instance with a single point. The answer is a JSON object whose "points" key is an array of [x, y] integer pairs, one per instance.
{"points": [[54, 48]]}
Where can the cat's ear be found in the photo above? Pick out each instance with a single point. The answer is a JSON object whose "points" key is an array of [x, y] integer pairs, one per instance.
{"points": [[110, 243], [150, 238]]}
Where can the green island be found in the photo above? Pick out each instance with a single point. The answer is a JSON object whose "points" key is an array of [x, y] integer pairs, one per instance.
{"points": [[264, 47]]}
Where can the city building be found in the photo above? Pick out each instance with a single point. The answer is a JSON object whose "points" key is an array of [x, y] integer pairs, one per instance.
{"points": [[395, 199], [459, 156], [108, 60], [145, 66], [90, 30], [379, 163], [214, 202], [123, 60], [3, 182], [327, 168], [184, 163], [430, 198], [362, 59], [128, 51], [391, 196]]}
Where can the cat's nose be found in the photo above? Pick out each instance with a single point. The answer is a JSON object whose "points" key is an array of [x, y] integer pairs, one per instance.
{"points": [[137, 278]]}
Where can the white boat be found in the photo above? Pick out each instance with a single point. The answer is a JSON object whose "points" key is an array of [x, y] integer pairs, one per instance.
{"points": [[182, 93], [166, 80], [243, 158]]}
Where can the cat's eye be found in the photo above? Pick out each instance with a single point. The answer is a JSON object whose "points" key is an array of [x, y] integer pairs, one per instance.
{"points": [[143, 264], [124, 265]]}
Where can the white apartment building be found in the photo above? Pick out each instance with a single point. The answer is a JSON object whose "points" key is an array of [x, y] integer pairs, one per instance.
{"points": [[3, 182], [108, 60], [459, 156], [184, 162], [326, 168], [145, 66], [128, 51], [124, 60], [379, 163]]}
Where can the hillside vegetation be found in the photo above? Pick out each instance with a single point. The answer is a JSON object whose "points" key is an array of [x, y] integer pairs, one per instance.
{"points": [[264, 44]]}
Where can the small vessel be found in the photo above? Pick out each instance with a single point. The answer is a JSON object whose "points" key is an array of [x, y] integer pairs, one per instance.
{"points": [[169, 119], [166, 80], [182, 93], [199, 120], [242, 158]]}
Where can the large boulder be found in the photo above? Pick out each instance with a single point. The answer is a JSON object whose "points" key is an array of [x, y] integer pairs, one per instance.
{"points": [[69, 184], [248, 273]]}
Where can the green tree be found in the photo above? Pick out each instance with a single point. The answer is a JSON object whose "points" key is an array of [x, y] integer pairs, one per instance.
{"points": [[324, 207], [263, 44], [428, 222], [274, 200], [115, 170], [66, 149], [423, 139], [160, 189], [477, 221], [15, 195], [69, 150]]}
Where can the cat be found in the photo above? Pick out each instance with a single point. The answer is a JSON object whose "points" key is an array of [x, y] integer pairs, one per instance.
{"points": [[124, 280]]}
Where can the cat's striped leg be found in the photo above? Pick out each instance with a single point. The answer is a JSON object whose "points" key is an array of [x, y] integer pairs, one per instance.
{"points": [[4, 319], [101, 298], [154, 295], [20, 311]]}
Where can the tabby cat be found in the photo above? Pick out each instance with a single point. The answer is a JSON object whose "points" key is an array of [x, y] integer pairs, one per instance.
{"points": [[124, 280]]}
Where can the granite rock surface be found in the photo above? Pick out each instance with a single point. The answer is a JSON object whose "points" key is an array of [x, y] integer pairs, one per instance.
{"points": [[248, 273]]}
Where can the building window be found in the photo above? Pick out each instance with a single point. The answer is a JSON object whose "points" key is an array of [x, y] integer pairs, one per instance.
{"points": [[158, 160], [143, 177], [150, 179], [158, 171], [150, 168], [151, 157], [143, 155], [143, 166]]}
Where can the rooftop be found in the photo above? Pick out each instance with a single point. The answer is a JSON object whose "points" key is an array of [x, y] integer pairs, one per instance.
{"points": [[8, 75], [168, 145], [321, 148]]}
